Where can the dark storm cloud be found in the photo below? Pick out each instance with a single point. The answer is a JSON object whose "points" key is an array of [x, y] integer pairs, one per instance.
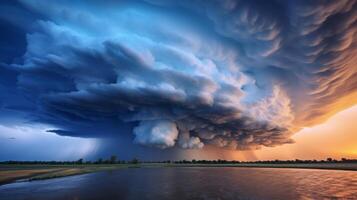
{"points": [[242, 75]]}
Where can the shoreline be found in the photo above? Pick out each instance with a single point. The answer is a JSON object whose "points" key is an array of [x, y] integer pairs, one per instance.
{"points": [[18, 173]]}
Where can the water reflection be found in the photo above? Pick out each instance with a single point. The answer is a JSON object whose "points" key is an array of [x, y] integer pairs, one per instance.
{"points": [[192, 183]]}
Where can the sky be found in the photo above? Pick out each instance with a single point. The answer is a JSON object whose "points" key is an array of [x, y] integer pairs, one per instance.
{"points": [[165, 79]]}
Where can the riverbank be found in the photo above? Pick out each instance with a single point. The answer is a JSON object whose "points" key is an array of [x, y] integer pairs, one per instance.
{"points": [[11, 173]]}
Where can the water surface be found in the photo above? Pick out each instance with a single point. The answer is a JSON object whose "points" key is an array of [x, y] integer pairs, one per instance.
{"points": [[192, 183]]}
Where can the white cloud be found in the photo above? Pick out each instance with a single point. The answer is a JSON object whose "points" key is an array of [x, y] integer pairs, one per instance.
{"points": [[158, 133]]}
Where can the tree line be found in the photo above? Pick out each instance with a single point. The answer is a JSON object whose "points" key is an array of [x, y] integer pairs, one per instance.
{"points": [[111, 160], [114, 160], [298, 161]]}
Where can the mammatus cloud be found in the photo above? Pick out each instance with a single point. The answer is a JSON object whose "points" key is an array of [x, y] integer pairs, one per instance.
{"points": [[234, 74]]}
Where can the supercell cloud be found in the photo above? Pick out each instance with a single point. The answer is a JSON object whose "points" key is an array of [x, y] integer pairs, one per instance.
{"points": [[232, 74]]}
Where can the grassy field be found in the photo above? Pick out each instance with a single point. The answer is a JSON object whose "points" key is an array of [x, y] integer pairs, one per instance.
{"points": [[11, 173]]}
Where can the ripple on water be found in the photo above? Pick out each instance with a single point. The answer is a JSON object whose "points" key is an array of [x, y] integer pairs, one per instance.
{"points": [[192, 183]]}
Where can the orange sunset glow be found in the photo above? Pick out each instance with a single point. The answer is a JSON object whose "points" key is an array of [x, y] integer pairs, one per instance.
{"points": [[336, 138]]}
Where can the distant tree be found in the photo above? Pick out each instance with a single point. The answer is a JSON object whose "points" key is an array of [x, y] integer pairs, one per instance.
{"points": [[100, 161], [80, 161], [134, 161], [113, 159], [329, 159]]}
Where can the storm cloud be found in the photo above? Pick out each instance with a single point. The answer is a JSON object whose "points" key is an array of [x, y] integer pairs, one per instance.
{"points": [[233, 74]]}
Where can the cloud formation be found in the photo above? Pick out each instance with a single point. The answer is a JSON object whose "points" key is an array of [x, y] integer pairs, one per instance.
{"points": [[158, 133], [234, 74]]}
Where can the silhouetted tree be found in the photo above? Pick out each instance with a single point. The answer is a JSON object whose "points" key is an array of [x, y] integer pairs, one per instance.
{"points": [[80, 161], [100, 161], [113, 159], [134, 161]]}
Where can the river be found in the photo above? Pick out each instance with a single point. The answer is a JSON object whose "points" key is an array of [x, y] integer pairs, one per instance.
{"points": [[191, 183]]}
